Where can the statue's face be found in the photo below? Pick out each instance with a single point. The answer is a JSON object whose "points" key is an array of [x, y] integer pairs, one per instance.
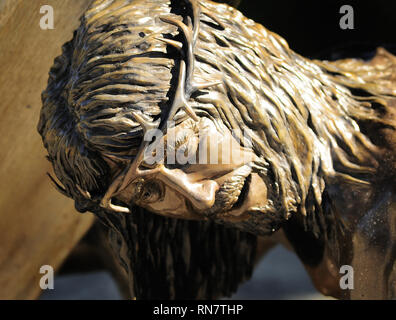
{"points": [[202, 170]]}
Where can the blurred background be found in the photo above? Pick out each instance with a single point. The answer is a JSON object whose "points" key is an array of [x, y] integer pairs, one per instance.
{"points": [[279, 276]]}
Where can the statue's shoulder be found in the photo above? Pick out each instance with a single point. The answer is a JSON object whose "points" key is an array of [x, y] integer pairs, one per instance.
{"points": [[379, 76], [389, 136]]}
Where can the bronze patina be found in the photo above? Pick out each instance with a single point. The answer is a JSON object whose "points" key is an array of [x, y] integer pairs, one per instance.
{"points": [[314, 144]]}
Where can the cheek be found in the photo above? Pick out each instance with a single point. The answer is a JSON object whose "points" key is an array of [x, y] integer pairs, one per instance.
{"points": [[210, 148], [225, 149], [171, 204]]}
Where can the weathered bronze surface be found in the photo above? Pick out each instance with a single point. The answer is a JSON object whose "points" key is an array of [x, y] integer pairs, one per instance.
{"points": [[314, 143]]}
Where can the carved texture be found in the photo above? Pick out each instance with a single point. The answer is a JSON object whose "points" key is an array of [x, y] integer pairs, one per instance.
{"points": [[302, 116], [179, 259]]}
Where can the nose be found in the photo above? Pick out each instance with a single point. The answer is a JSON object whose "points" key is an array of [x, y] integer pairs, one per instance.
{"points": [[201, 193]]}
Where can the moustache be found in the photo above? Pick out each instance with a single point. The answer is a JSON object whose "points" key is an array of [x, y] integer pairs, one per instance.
{"points": [[229, 192]]}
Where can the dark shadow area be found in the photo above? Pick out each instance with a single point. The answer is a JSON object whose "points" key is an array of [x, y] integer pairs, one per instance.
{"points": [[312, 27]]}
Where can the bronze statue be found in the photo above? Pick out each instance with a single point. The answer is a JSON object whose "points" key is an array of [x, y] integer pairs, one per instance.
{"points": [[305, 146]]}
